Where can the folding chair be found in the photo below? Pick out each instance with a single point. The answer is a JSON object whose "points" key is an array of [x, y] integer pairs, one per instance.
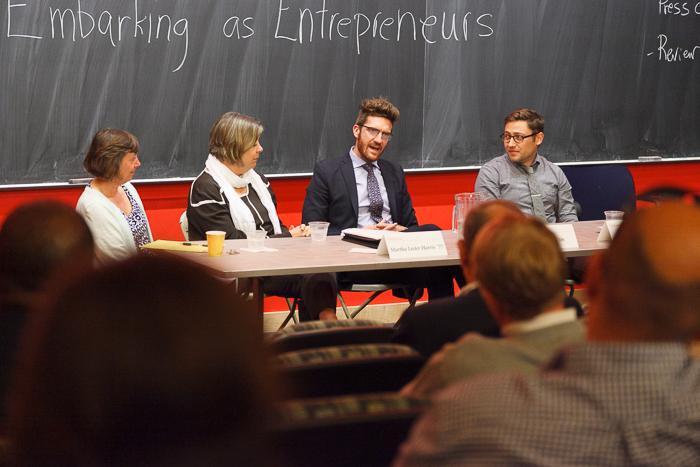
{"points": [[375, 290]]}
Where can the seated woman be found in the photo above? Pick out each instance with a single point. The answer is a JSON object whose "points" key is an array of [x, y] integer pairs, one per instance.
{"points": [[230, 195], [110, 204]]}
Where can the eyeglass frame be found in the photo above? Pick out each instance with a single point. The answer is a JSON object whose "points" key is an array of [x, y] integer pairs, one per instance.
{"points": [[516, 137], [370, 129]]}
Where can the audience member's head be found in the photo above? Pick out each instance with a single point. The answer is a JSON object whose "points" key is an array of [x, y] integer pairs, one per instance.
{"points": [[477, 218], [149, 362], [36, 240], [646, 286], [520, 268]]}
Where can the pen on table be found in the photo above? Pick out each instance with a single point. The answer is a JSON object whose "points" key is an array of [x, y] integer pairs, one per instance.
{"points": [[190, 244]]}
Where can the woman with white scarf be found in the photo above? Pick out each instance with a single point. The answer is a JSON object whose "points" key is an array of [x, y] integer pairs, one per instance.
{"points": [[230, 195]]}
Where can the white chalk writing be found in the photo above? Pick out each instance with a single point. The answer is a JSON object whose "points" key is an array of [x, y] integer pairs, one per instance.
{"points": [[304, 25], [72, 21]]}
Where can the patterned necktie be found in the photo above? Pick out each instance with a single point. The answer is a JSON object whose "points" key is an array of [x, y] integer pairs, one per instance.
{"points": [[375, 196]]}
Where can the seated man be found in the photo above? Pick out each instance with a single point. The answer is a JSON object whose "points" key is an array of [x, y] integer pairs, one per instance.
{"points": [[628, 396], [362, 190], [524, 177], [520, 270]]}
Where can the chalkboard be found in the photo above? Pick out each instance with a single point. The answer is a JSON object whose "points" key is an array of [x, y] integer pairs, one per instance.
{"points": [[615, 79]]}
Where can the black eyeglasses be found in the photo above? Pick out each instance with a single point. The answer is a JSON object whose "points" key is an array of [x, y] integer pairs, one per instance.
{"points": [[373, 132], [506, 137]]}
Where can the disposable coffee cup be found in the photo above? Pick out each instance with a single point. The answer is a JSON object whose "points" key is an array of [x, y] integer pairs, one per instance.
{"points": [[215, 242], [256, 240], [319, 231]]}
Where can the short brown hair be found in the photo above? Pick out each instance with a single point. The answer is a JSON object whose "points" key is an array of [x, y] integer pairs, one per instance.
{"points": [[377, 107], [232, 135], [648, 281], [520, 263], [534, 120], [108, 148]]}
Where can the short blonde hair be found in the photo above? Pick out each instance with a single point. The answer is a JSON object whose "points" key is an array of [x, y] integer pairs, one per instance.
{"points": [[232, 135], [520, 263]]}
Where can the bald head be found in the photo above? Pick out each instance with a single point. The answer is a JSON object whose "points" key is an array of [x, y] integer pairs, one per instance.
{"points": [[36, 240], [646, 287]]}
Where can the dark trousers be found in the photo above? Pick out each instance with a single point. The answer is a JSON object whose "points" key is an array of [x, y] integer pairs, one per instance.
{"points": [[316, 291], [437, 280]]}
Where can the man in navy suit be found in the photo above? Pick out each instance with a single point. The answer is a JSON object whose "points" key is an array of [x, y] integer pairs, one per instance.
{"points": [[359, 189]]}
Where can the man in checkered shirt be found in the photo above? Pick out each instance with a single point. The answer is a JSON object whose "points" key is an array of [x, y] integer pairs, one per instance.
{"points": [[629, 396]]}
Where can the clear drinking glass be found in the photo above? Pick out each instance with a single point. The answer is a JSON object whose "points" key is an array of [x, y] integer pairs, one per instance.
{"points": [[464, 202]]}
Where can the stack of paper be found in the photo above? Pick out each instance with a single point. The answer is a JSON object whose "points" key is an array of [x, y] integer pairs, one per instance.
{"points": [[172, 245]]}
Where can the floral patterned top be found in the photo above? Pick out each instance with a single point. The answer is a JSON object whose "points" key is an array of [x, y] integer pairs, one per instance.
{"points": [[137, 222]]}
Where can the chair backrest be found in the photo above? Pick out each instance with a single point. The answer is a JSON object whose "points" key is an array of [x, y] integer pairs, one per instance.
{"points": [[360, 430], [601, 187], [347, 369], [184, 226], [313, 334]]}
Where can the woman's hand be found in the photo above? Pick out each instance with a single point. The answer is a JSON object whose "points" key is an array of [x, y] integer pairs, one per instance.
{"points": [[300, 230]]}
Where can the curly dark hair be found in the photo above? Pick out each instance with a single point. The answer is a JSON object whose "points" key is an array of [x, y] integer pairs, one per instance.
{"points": [[377, 107]]}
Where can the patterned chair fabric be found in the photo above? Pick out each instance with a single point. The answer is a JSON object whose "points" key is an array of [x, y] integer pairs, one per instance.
{"points": [[343, 353], [347, 369], [304, 412], [301, 337], [323, 325], [359, 430]]}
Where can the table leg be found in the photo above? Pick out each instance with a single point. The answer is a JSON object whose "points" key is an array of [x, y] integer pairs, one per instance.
{"points": [[251, 290]]}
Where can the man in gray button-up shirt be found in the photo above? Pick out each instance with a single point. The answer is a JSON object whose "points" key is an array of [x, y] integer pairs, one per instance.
{"points": [[524, 177]]}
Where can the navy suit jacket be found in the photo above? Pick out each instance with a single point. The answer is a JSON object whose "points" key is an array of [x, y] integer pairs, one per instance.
{"points": [[332, 195], [428, 327]]}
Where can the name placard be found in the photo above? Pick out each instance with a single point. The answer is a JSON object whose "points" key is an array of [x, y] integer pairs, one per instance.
{"points": [[565, 234], [403, 245]]}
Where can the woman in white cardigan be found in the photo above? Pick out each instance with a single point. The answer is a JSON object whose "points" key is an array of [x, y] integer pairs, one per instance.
{"points": [[110, 204]]}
